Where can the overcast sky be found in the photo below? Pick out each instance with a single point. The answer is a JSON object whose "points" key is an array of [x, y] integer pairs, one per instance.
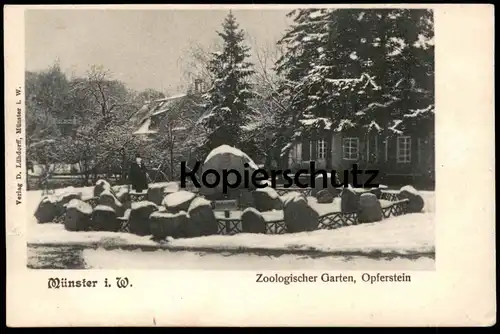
{"points": [[140, 47]]}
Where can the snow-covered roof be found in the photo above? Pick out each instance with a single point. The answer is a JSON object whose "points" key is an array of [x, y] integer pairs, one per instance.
{"points": [[144, 128], [157, 108]]}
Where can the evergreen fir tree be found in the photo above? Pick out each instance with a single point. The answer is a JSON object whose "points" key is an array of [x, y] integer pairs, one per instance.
{"points": [[334, 55], [227, 110]]}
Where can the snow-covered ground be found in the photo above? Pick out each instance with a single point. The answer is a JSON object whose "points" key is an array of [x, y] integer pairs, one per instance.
{"points": [[400, 242]]}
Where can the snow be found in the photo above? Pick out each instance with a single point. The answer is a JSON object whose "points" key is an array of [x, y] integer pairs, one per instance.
{"points": [[171, 187], [121, 191], [344, 124], [142, 204], [56, 234], [315, 14], [270, 191], [171, 97], [50, 198], [80, 206], [395, 125], [177, 198], [107, 192], [407, 234], [253, 210], [69, 190], [289, 196], [164, 214], [159, 185], [374, 124], [144, 128], [104, 183], [126, 214], [417, 112], [104, 208], [251, 126], [185, 260], [317, 121], [161, 111], [223, 149], [273, 215], [410, 190], [199, 202], [269, 216]]}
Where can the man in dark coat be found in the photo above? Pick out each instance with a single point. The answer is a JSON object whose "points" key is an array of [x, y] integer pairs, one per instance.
{"points": [[138, 176]]}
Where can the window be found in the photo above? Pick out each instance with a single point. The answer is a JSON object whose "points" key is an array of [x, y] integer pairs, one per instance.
{"points": [[321, 149], [404, 149], [350, 148], [296, 152]]}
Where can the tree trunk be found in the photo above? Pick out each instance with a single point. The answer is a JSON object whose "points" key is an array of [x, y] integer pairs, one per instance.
{"points": [[171, 162]]}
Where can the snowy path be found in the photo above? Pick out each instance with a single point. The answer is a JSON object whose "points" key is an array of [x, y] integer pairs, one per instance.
{"points": [[73, 258]]}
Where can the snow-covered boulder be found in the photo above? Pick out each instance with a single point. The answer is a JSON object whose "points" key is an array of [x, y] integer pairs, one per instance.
{"points": [[178, 201], [155, 192], [369, 209], [108, 198], [349, 200], [201, 218], [359, 191], [319, 184], [123, 196], [416, 202], [165, 224], [225, 158], [377, 192], [68, 194], [48, 209], [138, 222], [171, 187], [267, 199], [324, 196], [291, 195], [299, 216], [78, 216], [104, 218], [100, 186], [252, 221], [246, 199]]}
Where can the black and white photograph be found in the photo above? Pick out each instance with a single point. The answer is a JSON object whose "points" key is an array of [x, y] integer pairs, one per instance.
{"points": [[145, 128], [249, 165]]}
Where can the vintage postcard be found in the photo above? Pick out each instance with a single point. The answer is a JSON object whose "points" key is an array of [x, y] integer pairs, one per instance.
{"points": [[265, 165]]}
